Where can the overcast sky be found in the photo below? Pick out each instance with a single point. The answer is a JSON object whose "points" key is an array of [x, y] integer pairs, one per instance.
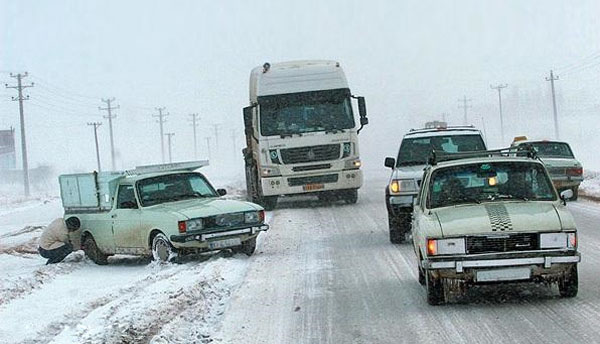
{"points": [[411, 60]]}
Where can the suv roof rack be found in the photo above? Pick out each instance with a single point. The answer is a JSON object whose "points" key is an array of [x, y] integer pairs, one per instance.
{"points": [[525, 150], [448, 127]]}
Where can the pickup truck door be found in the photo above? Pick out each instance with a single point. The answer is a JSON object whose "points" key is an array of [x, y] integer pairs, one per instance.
{"points": [[126, 219]]}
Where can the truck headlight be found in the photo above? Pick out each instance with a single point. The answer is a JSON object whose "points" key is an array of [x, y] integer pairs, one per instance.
{"points": [[254, 216], [436, 247], [352, 164], [558, 240], [270, 171], [403, 185], [346, 149]]}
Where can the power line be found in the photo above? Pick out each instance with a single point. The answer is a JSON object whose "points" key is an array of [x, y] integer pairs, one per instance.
{"points": [[20, 99], [110, 117], [552, 79], [161, 120], [499, 89], [96, 125]]}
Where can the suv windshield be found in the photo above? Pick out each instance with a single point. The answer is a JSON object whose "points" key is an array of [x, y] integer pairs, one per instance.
{"points": [[416, 151], [552, 150], [173, 187], [489, 182], [305, 112]]}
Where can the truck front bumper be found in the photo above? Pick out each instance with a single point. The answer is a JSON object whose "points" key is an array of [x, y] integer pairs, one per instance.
{"points": [[545, 266], [315, 182]]}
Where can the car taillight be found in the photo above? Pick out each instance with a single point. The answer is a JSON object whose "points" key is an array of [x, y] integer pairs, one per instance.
{"points": [[261, 216], [182, 226], [575, 171], [431, 247]]}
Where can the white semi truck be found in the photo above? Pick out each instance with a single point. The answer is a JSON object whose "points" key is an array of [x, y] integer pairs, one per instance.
{"points": [[301, 133]]}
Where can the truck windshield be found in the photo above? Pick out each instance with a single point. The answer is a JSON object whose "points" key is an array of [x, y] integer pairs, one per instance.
{"points": [[416, 151], [552, 150], [305, 112], [173, 187], [489, 182]]}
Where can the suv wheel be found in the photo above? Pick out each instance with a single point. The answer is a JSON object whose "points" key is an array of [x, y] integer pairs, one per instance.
{"points": [[162, 250], [435, 289], [568, 286], [93, 252]]}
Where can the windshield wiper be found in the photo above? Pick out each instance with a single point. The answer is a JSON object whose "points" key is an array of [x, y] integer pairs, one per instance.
{"points": [[506, 196]]}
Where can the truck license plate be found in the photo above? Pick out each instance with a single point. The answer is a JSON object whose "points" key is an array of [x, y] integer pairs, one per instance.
{"points": [[510, 274], [312, 187], [213, 245]]}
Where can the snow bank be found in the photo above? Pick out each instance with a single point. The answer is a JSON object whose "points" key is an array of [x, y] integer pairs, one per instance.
{"points": [[591, 185]]}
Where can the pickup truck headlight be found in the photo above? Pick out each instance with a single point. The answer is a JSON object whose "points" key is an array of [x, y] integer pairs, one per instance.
{"points": [[439, 247], [558, 240], [403, 185], [270, 171], [254, 216]]}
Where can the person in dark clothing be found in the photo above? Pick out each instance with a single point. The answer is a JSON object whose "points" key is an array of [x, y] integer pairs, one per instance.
{"points": [[55, 244]]}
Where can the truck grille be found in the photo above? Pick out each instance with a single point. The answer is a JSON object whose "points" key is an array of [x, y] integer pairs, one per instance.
{"points": [[328, 178], [311, 167], [502, 243], [311, 153]]}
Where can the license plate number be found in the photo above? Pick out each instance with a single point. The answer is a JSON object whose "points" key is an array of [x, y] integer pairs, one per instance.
{"points": [[511, 274], [224, 243], [312, 187]]}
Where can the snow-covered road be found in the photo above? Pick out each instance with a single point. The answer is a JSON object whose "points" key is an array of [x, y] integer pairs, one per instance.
{"points": [[322, 274]]}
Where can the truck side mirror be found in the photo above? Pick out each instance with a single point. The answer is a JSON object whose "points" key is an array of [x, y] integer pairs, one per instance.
{"points": [[362, 111], [248, 117], [390, 162]]}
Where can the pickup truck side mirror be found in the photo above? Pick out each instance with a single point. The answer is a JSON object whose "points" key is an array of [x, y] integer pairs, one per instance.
{"points": [[222, 192], [128, 205], [390, 162]]}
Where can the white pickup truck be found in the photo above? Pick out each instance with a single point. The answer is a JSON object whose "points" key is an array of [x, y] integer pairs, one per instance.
{"points": [[163, 211]]}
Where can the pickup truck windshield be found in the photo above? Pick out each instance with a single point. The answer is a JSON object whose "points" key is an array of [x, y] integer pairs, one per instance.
{"points": [[552, 150], [297, 113], [173, 187], [489, 182], [416, 151]]}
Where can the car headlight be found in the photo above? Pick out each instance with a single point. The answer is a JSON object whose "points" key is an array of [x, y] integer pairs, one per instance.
{"points": [[346, 149], [190, 225], [352, 164], [270, 171], [403, 185], [274, 155], [254, 216], [558, 240], [439, 247]]}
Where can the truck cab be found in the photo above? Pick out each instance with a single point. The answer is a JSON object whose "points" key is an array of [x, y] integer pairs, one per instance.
{"points": [[302, 133], [407, 168]]}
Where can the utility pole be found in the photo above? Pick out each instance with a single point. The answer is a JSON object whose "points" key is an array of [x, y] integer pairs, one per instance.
{"points": [[110, 116], [96, 125], [216, 128], [161, 120], [169, 135], [195, 117], [20, 98], [499, 88], [465, 107], [208, 146], [552, 79]]}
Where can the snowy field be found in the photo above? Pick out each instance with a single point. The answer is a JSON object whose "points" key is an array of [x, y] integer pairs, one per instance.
{"points": [[591, 185], [322, 274]]}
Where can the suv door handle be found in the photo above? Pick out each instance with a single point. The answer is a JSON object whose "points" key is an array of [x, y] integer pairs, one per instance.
{"points": [[113, 216]]}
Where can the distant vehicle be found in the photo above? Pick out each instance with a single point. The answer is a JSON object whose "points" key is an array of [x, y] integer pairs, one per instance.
{"points": [[301, 133], [407, 169], [492, 218], [565, 171], [163, 211]]}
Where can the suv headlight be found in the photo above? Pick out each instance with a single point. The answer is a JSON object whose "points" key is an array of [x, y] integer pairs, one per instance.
{"points": [[254, 216], [270, 171], [558, 240], [403, 185], [439, 247]]}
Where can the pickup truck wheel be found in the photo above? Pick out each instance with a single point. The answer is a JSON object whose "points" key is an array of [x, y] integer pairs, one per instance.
{"points": [[162, 250], [569, 285], [248, 247], [435, 289], [93, 252]]}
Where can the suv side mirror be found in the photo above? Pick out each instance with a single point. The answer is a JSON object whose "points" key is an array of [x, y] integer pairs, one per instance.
{"points": [[222, 192], [566, 195], [390, 162]]}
